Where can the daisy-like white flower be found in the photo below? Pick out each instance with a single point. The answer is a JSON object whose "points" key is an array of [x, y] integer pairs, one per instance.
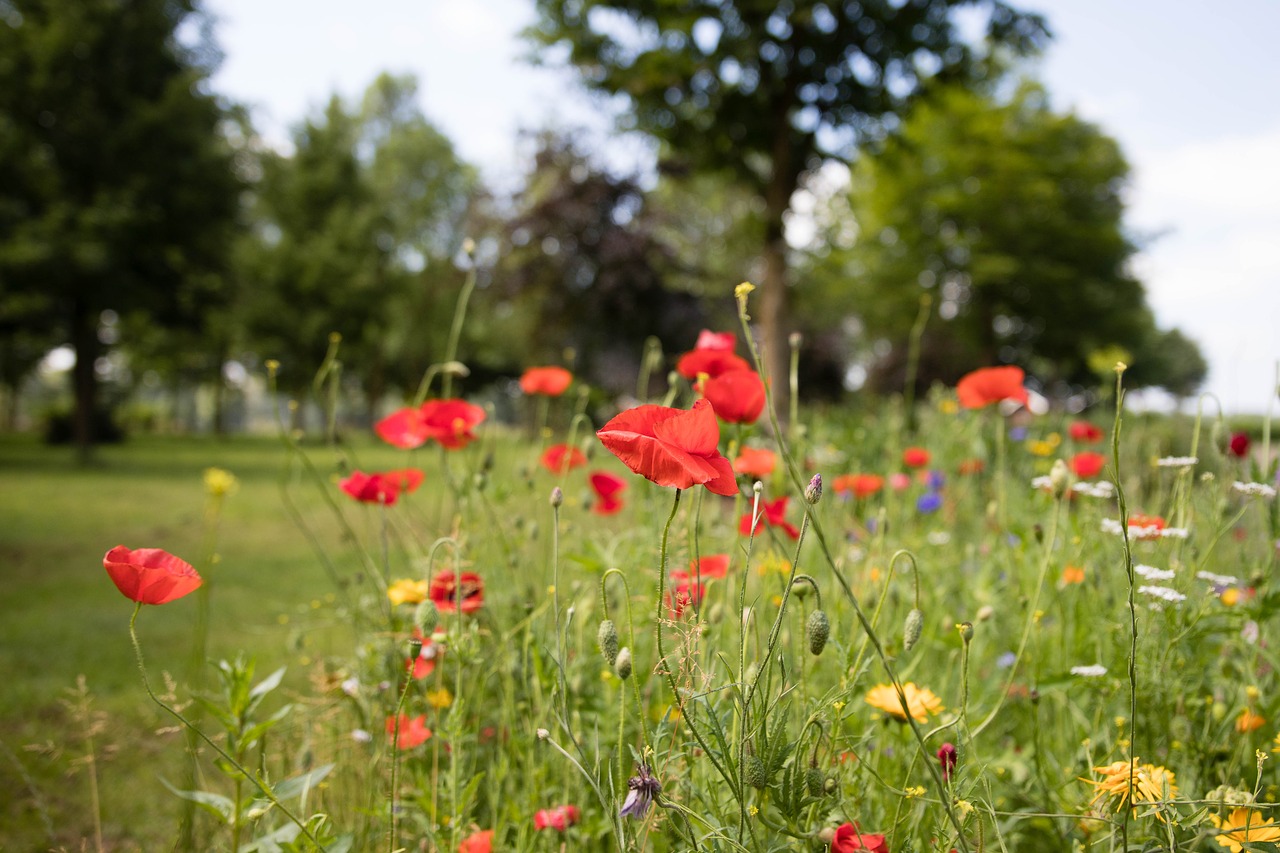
{"points": [[1176, 461], [1095, 489], [1175, 533], [1254, 490], [1218, 580], [1162, 592], [1094, 670], [1151, 573]]}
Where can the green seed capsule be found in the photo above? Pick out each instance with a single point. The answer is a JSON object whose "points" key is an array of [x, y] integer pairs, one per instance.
{"points": [[757, 775], [912, 629], [607, 638], [818, 630], [815, 782], [622, 666], [426, 617]]}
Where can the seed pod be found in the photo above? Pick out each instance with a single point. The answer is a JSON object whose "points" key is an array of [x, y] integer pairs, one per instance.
{"points": [[757, 775], [818, 630], [415, 648], [426, 617], [966, 631], [607, 638], [814, 781], [912, 629], [622, 666]]}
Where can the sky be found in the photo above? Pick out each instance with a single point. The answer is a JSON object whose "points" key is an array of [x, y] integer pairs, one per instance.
{"points": [[1190, 96]]}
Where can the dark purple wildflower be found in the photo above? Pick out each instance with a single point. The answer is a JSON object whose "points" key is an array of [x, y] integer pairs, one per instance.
{"points": [[929, 502], [947, 758], [644, 787]]}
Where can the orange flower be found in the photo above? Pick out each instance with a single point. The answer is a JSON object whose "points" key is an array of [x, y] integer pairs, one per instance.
{"points": [[413, 731], [1249, 721], [1245, 826], [547, 381], [971, 466], [757, 462], [859, 485], [1072, 574], [989, 385], [477, 842], [921, 701], [1150, 783], [915, 457]]}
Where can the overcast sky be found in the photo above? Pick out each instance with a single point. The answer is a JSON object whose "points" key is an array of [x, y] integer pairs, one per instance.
{"points": [[1190, 93]]}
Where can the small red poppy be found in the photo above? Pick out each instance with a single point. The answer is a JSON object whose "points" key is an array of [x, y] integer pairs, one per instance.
{"points": [[477, 842], [757, 462], [150, 575], [1239, 444], [708, 339], [736, 395], [547, 381], [915, 457], [848, 838], [607, 488], [1088, 464], [560, 817], [449, 422], [774, 514], [384, 488], [447, 589], [971, 466], [685, 592], [859, 485], [1085, 432], [988, 385], [710, 567], [413, 731], [402, 428], [560, 458], [712, 362], [671, 447]]}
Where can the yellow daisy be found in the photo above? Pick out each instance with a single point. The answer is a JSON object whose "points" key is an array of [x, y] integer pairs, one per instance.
{"points": [[408, 591], [921, 701], [1151, 783], [1244, 826]]}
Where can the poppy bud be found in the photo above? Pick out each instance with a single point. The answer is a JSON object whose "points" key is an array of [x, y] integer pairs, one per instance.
{"points": [[829, 786], [607, 638], [622, 665], [813, 492], [1059, 478], [818, 629], [795, 339], [426, 617], [814, 781], [912, 628], [757, 487], [756, 773], [826, 836], [557, 497], [966, 631], [415, 648]]}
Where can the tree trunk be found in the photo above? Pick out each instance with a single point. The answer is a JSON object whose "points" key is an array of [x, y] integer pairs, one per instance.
{"points": [[84, 340]]}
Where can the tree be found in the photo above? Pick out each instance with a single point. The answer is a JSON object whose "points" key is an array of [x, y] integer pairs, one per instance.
{"points": [[116, 191], [768, 91], [1011, 216]]}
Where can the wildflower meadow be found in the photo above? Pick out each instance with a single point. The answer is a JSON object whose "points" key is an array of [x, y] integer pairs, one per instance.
{"points": [[681, 622]]}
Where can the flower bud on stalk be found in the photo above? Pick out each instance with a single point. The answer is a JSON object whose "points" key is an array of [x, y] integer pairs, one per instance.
{"points": [[818, 630], [622, 666], [557, 497], [426, 617], [912, 628], [813, 492], [607, 638]]}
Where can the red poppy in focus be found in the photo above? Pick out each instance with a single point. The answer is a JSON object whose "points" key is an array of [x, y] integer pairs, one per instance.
{"points": [[560, 817], [685, 593], [449, 422], [547, 381], [1239, 445], [477, 842], [988, 385], [915, 457], [446, 590], [712, 362], [725, 341], [848, 838], [413, 731], [607, 488], [384, 487], [1084, 431], [425, 663], [1088, 464], [773, 513], [560, 458], [736, 395], [709, 567], [971, 466], [757, 462], [150, 575], [859, 485], [671, 447]]}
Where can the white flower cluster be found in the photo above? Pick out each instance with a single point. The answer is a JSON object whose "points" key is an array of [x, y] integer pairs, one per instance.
{"points": [[1043, 484], [1092, 671], [1151, 573], [1162, 592], [1100, 489], [1177, 461], [1218, 580], [1260, 490], [1111, 525]]}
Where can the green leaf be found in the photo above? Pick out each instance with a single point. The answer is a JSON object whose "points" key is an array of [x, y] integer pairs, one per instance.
{"points": [[216, 804], [300, 785]]}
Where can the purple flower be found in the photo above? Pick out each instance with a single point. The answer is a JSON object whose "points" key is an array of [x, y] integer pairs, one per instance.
{"points": [[1006, 660], [929, 502], [644, 787], [947, 758], [1018, 433], [936, 480]]}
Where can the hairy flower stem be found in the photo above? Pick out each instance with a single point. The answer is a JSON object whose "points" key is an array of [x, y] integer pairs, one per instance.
{"points": [[258, 783], [394, 797], [1123, 507], [562, 687], [455, 330], [631, 636]]}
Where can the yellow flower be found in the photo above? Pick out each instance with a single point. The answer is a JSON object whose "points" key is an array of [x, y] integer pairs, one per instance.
{"points": [[407, 591], [1151, 783], [1249, 721], [921, 701], [219, 483], [1244, 826], [1046, 447], [1230, 596], [441, 698], [948, 407], [774, 563]]}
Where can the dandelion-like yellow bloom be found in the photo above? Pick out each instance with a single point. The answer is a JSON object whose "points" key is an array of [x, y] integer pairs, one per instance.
{"points": [[441, 698], [1244, 826], [408, 591], [921, 701], [219, 483], [1249, 721], [1151, 782]]}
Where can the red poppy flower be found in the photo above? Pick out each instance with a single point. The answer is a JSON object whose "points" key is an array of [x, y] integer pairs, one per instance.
{"points": [[712, 362], [757, 462], [708, 339], [384, 487], [859, 485], [709, 567], [774, 514], [559, 458], [1088, 464], [150, 575], [1239, 445], [1150, 525], [736, 395], [1084, 431], [671, 447], [446, 590], [915, 457], [848, 838], [402, 428], [685, 592], [413, 731], [607, 488], [988, 385], [425, 663], [477, 842], [447, 421], [548, 381], [560, 817]]}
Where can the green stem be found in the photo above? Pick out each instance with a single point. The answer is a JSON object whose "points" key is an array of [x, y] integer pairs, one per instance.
{"points": [[1133, 613], [393, 837], [455, 331]]}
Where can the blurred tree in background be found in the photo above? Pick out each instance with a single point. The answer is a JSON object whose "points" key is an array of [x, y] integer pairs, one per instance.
{"points": [[1011, 216], [116, 191], [767, 92]]}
